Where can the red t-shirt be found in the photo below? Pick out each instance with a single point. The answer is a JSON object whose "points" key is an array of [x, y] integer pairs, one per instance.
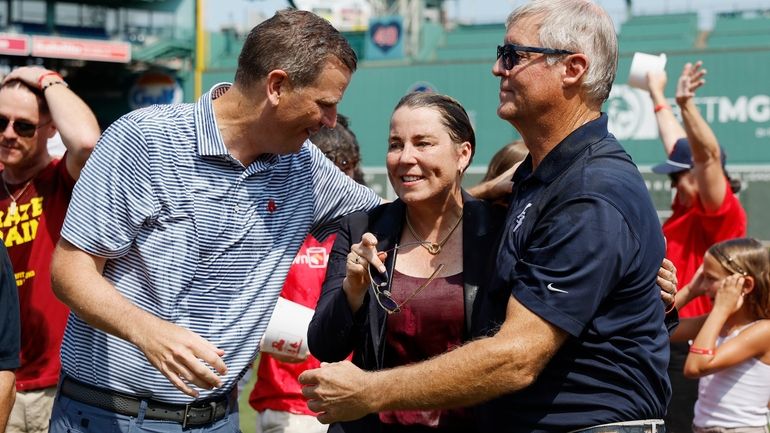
{"points": [[30, 234], [277, 387], [691, 231]]}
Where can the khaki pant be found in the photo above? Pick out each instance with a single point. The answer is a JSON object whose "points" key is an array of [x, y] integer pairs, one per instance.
{"points": [[32, 411], [758, 429], [272, 421]]}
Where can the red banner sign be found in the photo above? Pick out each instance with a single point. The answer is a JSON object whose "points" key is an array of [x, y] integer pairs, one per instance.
{"points": [[14, 45], [81, 49]]}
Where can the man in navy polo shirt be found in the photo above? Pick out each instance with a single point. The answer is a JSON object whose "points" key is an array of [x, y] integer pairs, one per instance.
{"points": [[576, 335], [10, 340]]}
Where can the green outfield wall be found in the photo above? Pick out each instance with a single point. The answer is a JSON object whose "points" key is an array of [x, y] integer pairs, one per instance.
{"points": [[735, 101]]}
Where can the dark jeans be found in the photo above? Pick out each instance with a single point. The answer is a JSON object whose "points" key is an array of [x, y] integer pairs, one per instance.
{"points": [[685, 392]]}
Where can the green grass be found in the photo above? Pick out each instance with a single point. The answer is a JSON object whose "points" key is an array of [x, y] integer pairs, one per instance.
{"points": [[247, 414]]}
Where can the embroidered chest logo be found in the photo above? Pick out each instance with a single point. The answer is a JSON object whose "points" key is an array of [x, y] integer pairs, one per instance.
{"points": [[271, 206], [520, 217]]}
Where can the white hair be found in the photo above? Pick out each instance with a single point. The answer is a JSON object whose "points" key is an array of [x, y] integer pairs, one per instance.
{"points": [[580, 26]]}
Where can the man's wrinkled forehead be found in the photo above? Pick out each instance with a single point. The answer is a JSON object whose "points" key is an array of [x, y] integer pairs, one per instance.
{"points": [[524, 30]]}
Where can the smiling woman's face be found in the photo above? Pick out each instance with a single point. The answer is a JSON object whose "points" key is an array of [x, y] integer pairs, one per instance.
{"points": [[423, 162]]}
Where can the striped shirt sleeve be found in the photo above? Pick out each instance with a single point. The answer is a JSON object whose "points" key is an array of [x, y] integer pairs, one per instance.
{"points": [[335, 194], [114, 196]]}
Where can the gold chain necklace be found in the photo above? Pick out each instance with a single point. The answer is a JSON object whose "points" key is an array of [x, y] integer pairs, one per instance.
{"points": [[432, 247], [13, 208]]}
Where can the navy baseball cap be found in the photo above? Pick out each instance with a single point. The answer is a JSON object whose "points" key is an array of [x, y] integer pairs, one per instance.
{"points": [[680, 159]]}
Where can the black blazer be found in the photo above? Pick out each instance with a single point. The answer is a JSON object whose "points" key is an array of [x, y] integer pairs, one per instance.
{"points": [[335, 332]]}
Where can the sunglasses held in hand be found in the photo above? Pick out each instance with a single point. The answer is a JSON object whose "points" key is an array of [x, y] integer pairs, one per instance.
{"points": [[380, 283]]}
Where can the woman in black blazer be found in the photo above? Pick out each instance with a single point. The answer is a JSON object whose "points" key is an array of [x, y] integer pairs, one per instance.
{"points": [[423, 303]]}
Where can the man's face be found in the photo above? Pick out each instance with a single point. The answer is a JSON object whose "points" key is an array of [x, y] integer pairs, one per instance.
{"points": [[20, 105], [531, 86], [304, 110]]}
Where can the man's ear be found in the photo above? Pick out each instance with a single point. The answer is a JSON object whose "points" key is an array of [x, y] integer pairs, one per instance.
{"points": [[50, 131], [277, 83], [575, 66]]}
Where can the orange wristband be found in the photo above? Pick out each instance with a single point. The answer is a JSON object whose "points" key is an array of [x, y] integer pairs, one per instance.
{"points": [[699, 351], [47, 74], [661, 107]]}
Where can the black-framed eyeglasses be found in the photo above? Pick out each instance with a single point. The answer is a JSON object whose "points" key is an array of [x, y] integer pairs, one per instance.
{"points": [[380, 283], [21, 127], [729, 264], [511, 57]]}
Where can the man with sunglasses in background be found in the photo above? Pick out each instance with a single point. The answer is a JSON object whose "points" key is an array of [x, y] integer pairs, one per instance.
{"points": [[705, 211], [570, 325], [36, 190]]}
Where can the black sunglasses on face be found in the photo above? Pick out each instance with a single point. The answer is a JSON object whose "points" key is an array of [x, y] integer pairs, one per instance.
{"points": [[511, 57], [21, 127]]}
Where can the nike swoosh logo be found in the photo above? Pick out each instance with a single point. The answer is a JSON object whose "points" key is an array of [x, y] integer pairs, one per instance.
{"points": [[554, 289]]}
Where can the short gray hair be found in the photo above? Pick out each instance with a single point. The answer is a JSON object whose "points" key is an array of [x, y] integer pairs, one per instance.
{"points": [[580, 26]]}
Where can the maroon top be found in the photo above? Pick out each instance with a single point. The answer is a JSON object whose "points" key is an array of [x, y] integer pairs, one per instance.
{"points": [[429, 324]]}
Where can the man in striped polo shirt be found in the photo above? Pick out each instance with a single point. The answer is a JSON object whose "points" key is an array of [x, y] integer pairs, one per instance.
{"points": [[183, 226]]}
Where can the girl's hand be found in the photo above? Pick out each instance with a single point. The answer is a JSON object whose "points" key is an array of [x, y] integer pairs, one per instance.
{"points": [[698, 286], [730, 295]]}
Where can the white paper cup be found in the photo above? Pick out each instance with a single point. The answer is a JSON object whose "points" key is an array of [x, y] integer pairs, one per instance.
{"points": [[286, 332], [641, 65]]}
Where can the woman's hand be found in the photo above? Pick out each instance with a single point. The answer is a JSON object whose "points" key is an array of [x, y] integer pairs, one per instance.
{"points": [[668, 283], [356, 280]]}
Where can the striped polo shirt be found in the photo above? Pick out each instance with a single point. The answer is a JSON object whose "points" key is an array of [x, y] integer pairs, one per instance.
{"points": [[193, 237]]}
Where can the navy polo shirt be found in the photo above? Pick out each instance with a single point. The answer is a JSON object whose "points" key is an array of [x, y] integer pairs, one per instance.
{"points": [[581, 249], [10, 332]]}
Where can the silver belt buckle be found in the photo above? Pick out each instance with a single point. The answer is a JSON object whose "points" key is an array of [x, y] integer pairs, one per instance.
{"points": [[186, 416]]}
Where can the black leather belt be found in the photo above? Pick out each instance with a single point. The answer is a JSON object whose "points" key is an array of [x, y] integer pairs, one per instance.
{"points": [[189, 415]]}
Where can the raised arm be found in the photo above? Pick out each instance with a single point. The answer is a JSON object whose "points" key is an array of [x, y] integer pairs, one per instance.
{"points": [[334, 329], [669, 128], [506, 362], [176, 352], [706, 155], [73, 119]]}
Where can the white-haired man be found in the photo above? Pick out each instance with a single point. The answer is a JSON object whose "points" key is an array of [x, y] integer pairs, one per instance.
{"points": [[571, 325]]}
